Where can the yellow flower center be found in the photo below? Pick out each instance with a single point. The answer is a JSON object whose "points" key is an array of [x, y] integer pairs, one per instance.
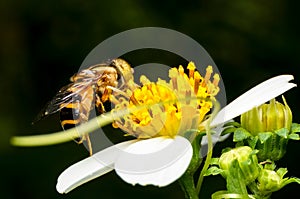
{"points": [[171, 108]]}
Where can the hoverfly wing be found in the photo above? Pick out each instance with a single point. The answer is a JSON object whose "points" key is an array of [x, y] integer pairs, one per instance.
{"points": [[53, 105], [63, 97]]}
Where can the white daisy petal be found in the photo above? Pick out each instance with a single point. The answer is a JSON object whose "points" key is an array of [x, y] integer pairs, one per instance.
{"points": [[90, 168], [157, 161], [256, 96]]}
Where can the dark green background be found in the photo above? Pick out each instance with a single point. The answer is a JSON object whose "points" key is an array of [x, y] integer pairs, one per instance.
{"points": [[43, 43]]}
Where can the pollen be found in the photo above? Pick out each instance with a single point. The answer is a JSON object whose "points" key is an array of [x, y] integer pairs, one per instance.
{"points": [[169, 107]]}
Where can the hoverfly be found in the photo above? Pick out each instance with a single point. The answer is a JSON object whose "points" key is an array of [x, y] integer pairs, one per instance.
{"points": [[89, 89]]}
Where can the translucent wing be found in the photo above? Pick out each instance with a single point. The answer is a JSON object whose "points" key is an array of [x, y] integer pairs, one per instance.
{"points": [[63, 97]]}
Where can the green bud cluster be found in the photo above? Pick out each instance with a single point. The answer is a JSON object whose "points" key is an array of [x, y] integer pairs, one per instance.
{"points": [[266, 128], [261, 139]]}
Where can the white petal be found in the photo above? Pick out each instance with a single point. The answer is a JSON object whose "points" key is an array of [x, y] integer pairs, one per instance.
{"points": [[90, 168], [157, 161], [216, 136], [254, 97]]}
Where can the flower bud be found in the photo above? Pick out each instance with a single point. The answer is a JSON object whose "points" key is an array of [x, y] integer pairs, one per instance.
{"points": [[269, 181], [267, 117], [247, 162], [271, 123]]}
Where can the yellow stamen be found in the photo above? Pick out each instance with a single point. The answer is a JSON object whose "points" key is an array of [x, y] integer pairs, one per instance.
{"points": [[144, 80], [173, 73], [191, 66], [197, 78], [172, 106], [133, 100], [216, 79], [181, 70], [209, 71]]}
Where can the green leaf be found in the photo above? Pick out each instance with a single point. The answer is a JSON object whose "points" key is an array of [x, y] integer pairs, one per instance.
{"points": [[213, 171], [254, 152], [287, 181], [228, 130], [270, 165], [252, 142], [264, 136], [282, 132], [235, 180], [234, 124], [214, 161], [239, 144], [295, 128], [240, 134], [224, 150], [281, 172], [294, 136]]}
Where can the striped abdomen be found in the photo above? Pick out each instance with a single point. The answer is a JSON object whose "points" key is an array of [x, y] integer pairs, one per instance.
{"points": [[70, 114], [77, 111]]}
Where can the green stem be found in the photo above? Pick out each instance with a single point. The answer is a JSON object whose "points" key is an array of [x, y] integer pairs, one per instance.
{"points": [[187, 179], [207, 161], [209, 146], [256, 193], [187, 184]]}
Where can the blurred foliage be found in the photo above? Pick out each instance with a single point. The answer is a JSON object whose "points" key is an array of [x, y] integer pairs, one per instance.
{"points": [[44, 42]]}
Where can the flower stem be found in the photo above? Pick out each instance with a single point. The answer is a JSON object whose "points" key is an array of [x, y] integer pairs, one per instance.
{"points": [[209, 146], [187, 179], [207, 161], [187, 184], [253, 188]]}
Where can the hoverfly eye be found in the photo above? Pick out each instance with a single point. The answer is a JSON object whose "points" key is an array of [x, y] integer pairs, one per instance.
{"points": [[119, 77]]}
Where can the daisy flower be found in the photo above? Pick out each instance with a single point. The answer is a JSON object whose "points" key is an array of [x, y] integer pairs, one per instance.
{"points": [[162, 150]]}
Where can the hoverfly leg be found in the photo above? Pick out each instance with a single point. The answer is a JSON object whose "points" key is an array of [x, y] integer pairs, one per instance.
{"points": [[118, 92], [105, 95], [99, 105], [78, 140], [89, 143]]}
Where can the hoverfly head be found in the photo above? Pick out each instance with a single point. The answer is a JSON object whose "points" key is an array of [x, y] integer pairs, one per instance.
{"points": [[124, 69]]}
